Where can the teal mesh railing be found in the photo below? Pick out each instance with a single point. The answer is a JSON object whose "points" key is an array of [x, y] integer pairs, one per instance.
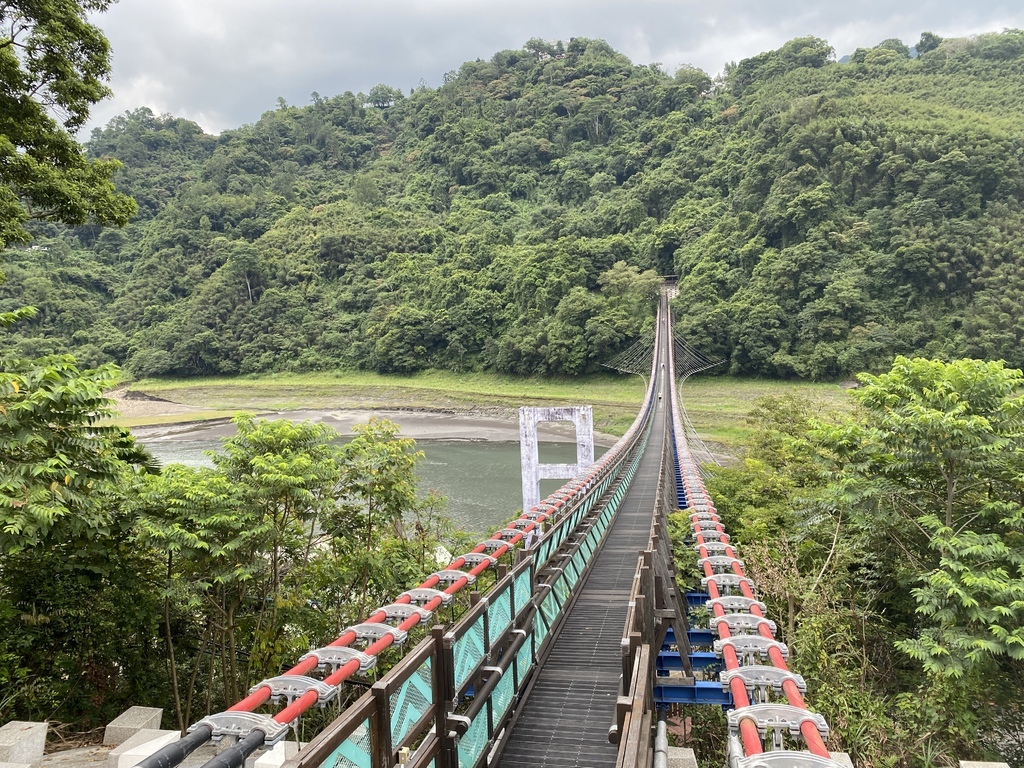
{"points": [[487, 659], [474, 741], [354, 752], [411, 701], [469, 651], [499, 615]]}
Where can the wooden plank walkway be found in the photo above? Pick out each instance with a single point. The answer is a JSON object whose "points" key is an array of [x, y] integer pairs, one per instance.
{"points": [[568, 713]]}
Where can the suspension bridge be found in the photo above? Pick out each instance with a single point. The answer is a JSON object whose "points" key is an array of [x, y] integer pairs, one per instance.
{"points": [[576, 649]]}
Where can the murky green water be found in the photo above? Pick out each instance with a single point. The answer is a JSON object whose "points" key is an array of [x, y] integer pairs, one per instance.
{"points": [[481, 479]]}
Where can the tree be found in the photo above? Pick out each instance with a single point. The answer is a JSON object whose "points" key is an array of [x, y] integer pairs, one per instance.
{"points": [[53, 64], [60, 460], [930, 477], [382, 96], [896, 45], [74, 612], [929, 42]]}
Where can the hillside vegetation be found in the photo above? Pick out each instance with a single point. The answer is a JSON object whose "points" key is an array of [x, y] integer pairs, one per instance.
{"points": [[822, 218]]}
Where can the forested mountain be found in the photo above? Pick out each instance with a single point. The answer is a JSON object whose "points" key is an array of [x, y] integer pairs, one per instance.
{"points": [[822, 217]]}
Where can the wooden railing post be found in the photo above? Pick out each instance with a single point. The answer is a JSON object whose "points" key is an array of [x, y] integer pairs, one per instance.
{"points": [[444, 695]]}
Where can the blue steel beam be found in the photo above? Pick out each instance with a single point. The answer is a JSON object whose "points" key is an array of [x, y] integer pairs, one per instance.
{"points": [[695, 636], [700, 637], [701, 692], [697, 599], [698, 660]]}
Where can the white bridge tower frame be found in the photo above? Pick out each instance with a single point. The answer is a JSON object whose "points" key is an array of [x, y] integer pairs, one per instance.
{"points": [[533, 471]]}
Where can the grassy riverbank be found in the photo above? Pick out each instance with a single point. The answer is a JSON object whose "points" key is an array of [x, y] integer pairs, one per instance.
{"points": [[717, 405]]}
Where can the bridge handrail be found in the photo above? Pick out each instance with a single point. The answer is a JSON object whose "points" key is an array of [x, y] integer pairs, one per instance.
{"points": [[495, 661], [635, 710], [570, 503]]}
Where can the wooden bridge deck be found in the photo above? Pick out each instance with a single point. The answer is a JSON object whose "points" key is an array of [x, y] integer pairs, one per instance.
{"points": [[571, 705]]}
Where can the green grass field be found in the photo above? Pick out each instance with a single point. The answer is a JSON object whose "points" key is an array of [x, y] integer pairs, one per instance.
{"points": [[717, 406]]}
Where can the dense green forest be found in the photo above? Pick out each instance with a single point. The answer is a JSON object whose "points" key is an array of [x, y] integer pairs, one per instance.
{"points": [[822, 217], [888, 542]]}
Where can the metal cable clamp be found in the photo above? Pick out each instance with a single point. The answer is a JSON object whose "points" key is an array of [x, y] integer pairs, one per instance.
{"points": [[727, 581], [241, 724], [742, 623], [751, 648], [401, 611], [290, 687], [334, 657], [423, 595], [450, 576], [371, 631], [719, 563], [759, 679], [735, 604]]}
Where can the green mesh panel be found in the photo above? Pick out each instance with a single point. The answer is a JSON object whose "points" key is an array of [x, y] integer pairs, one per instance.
{"points": [[523, 660], [469, 652], [550, 607], [580, 560], [588, 543], [522, 591], [570, 575], [472, 745], [544, 551], [562, 591], [501, 698], [353, 752], [540, 626], [499, 616], [411, 702]]}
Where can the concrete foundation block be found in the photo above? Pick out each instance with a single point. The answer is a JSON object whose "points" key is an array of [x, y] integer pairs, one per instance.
{"points": [[681, 757], [22, 742], [842, 758], [276, 756], [140, 746], [15, 765], [975, 764], [130, 722]]}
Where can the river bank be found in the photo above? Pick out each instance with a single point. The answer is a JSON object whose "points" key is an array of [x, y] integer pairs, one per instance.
{"points": [[156, 419], [467, 406], [417, 425]]}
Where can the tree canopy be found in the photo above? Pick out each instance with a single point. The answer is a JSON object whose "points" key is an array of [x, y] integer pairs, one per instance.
{"points": [[891, 538], [822, 216], [53, 66]]}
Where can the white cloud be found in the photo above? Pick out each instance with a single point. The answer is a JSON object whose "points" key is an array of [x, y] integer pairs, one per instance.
{"points": [[223, 63]]}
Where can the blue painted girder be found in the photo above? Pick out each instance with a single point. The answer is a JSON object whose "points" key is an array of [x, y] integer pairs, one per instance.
{"points": [[701, 692], [695, 636], [668, 660], [697, 599]]}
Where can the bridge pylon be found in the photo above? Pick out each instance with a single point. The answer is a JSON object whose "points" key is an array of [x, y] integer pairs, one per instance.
{"points": [[582, 416]]}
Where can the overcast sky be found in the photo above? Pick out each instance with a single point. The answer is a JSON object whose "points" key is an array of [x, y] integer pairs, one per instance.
{"points": [[223, 63]]}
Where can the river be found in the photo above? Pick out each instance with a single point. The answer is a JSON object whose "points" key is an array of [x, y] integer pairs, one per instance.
{"points": [[480, 478]]}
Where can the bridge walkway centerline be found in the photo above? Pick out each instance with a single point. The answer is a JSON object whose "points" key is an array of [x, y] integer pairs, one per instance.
{"points": [[571, 704]]}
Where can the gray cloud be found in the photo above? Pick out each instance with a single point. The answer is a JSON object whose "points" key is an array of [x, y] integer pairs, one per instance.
{"points": [[223, 63]]}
